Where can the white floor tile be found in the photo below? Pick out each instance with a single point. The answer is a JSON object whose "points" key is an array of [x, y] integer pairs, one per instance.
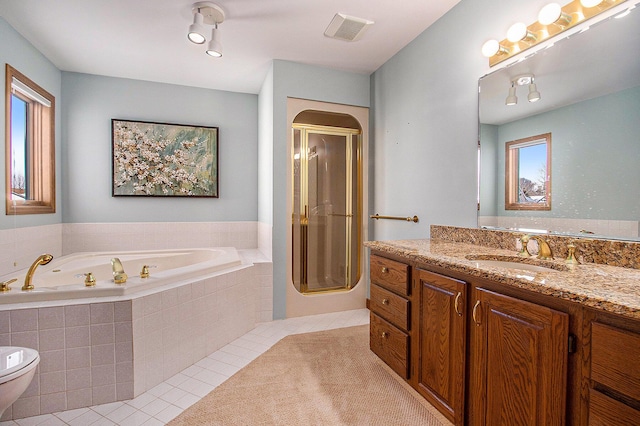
{"points": [[67, 416], [121, 413], [155, 406], [168, 413], [136, 419]]}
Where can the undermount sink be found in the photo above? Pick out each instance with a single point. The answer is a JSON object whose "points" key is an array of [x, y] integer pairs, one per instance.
{"points": [[512, 265], [516, 263]]}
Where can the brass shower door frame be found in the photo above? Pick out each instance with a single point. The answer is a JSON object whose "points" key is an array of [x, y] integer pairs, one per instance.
{"points": [[351, 212]]}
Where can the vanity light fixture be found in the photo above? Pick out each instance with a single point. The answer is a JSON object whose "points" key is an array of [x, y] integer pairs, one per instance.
{"points": [[553, 19], [207, 14]]}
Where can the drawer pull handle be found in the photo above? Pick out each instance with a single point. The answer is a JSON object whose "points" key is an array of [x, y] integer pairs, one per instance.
{"points": [[385, 270], [385, 301], [456, 304], [476, 314], [384, 335]]}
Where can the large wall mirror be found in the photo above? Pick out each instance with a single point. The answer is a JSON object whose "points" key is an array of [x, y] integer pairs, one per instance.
{"points": [[589, 89]]}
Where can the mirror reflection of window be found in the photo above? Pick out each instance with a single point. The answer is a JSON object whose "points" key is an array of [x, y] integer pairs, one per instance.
{"points": [[30, 145], [528, 173]]}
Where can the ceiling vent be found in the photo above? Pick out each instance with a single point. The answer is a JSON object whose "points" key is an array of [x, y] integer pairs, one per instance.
{"points": [[347, 28]]}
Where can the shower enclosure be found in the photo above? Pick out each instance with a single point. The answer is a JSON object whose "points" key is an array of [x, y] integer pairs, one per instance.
{"points": [[327, 202]]}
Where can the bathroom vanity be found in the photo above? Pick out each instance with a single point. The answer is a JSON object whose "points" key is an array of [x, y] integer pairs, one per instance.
{"points": [[486, 342]]}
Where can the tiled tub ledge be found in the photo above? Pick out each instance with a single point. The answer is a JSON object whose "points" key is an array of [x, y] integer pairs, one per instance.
{"points": [[101, 350]]}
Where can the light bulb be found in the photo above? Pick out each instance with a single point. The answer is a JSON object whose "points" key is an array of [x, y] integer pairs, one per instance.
{"points": [[590, 3], [549, 14], [517, 32], [196, 30]]}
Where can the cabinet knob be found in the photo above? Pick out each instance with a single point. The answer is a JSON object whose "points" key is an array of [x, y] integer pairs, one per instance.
{"points": [[385, 270], [385, 301], [384, 335], [456, 304]]}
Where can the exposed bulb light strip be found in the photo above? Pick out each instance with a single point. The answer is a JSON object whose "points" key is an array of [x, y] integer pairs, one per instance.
{"points": [[552, 20]]}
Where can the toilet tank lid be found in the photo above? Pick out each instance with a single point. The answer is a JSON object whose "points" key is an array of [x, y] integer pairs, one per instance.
{"points": [[13, 358]]}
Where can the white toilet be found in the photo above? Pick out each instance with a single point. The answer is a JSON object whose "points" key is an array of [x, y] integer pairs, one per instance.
{"points": [[17, 367]]}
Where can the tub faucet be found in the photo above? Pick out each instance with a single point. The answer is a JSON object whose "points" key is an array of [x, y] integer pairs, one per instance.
{"points": [[119, 276], [41, 260]]}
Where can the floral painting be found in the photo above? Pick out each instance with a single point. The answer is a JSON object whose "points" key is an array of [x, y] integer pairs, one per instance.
{"points": [[164, 160]]}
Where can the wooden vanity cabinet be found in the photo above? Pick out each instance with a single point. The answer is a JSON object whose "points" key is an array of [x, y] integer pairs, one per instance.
{"points": [[613, 366], [440, 348], [518, 362], [390, 306]]}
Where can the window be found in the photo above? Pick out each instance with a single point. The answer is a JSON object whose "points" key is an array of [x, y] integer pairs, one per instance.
{"points": [[528, 173], [30, 146]]}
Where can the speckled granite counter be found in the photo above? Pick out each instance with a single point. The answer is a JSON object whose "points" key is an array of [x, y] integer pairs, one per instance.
{"points": [[609, 288]]}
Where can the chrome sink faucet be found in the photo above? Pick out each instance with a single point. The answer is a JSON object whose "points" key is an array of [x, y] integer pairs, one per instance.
{"points": [[41, 260], [119, 276]]}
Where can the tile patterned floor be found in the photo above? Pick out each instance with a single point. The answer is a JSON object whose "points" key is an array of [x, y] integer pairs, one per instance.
{"points": [[161, 404]]}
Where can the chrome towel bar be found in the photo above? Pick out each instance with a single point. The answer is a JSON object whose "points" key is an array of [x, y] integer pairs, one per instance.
{"points": [[408, 219]]}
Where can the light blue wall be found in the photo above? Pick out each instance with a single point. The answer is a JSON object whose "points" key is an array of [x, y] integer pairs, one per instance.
{"points": [[265, 150], [306, 82], [594, 157], [426, 118], [91, 101], [21, 55]]}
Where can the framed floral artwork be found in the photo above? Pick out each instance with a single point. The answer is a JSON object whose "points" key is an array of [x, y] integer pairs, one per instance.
{"points": [[164, 160]]}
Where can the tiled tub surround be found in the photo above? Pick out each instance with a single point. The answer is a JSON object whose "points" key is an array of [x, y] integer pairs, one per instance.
{"points": [[20, 246], [94, 352], [609, 288]]}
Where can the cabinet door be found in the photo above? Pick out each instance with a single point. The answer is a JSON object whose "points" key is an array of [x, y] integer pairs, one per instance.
{"points": [[519, 354], [441, 343]]}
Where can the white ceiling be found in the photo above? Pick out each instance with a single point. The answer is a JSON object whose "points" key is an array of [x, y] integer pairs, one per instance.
{"points": [[146, 39]]}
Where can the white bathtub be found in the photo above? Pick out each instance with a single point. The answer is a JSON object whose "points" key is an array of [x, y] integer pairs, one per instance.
{"points": [[63, 277]]}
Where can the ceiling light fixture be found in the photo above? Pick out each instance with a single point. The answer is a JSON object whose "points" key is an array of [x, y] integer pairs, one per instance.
{"points": [[522, 80], [512, 99], [215, 47], [207, 13], [196, 30]]}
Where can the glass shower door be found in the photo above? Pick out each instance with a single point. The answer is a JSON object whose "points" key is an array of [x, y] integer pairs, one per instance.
{"points": [[326, 199]]}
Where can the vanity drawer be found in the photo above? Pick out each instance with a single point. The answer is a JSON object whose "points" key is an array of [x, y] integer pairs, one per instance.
{"points": [[615, 355], [605, 411], [390, 344], [390, 274], [390, 306]]}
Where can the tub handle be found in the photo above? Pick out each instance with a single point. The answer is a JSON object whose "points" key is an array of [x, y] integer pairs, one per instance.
{"points": [[4, 286], [90, 280], [144, 273]]}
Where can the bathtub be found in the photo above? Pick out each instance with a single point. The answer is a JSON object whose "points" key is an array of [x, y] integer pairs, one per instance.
{"points": [[63, 277]]}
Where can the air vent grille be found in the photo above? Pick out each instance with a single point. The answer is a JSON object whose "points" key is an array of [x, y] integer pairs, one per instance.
{"points": [[347, 28]]}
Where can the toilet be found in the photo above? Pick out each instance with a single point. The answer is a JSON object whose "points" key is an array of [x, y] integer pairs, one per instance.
{"points": [[17, 367]]}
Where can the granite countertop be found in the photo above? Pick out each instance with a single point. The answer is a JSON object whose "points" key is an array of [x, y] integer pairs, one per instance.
{"points": [[608, 288]]}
